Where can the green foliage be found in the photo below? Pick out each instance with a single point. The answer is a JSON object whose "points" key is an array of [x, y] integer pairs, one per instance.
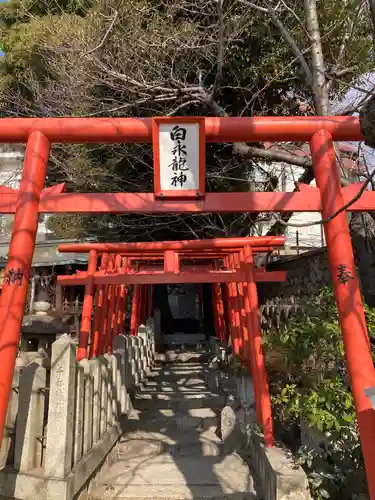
{"points": [[312, 386]]}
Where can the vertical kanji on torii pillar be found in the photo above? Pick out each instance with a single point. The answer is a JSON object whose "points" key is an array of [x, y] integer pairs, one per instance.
{"points": [[346, 287], [18, 269]]}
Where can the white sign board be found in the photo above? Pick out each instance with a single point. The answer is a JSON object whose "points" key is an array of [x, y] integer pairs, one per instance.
{"points": [[179, 156]]}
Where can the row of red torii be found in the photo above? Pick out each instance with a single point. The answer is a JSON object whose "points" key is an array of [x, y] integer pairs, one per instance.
{"points": [[179, 187], [227, 263]]}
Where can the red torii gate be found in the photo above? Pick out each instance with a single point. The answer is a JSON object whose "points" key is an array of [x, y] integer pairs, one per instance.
{"points": [[127, 263], [328, 198]]}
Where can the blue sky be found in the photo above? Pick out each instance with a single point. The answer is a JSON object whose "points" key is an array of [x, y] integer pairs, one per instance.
{"points": [[1, 52]]}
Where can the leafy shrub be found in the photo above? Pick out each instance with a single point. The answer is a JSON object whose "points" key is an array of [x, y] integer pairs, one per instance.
{"points": [[308, 381]]}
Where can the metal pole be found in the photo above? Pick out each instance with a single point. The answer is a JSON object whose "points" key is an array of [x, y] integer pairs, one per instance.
{"points": [[348, 297], [18, 269], [88, 301]]}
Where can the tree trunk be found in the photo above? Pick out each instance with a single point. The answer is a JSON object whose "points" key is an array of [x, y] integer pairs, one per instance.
{"points": [[320, 87]]}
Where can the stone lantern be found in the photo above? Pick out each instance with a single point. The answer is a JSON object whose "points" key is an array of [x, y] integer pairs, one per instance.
{"points": [[41, 304]]}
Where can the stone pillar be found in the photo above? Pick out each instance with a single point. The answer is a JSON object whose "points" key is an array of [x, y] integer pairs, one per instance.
{"points": [[96, 405], [150, 327], [8, 444], [59, 448], [143, 350], [32, 294], [111, 384], [119, 349], [29, 427], [136, 362], [103, 395], [116, 389], [79, 415], [59, 299], [88, 371], [130, 362]]}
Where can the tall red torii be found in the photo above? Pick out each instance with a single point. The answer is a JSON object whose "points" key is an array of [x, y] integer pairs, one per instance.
{"points": [[328, 198]]}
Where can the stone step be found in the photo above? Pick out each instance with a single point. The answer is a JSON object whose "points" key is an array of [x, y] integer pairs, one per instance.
{"points": [[174, 444], [177, 395], [184, 357], [183, 361], [176, 478], [171, 449], [181, 382], [175, 376], [160, 492], [171, 421], [172, 389], [179, 402], [179, 367]]}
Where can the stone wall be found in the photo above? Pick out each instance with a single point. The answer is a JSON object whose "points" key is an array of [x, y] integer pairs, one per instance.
{"points": [[277, 477], [64, 420], [306, 275]]}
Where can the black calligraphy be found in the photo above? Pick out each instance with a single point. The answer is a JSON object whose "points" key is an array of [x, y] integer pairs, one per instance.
{"points": [[14, 276], [179, 162], [344, 274]]}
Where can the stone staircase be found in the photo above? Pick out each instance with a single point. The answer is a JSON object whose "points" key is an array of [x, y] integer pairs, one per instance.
{"points": [[172, 448]]}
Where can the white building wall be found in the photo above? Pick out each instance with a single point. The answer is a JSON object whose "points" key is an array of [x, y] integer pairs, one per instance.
{"points": [[11, 162], [306, 238]]}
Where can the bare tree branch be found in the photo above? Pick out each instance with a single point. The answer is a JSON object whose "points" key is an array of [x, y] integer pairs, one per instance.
{"points": [[335, 214], [272, 155], [350, 26], [290, 41], [115, 15], [287, 37]]}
